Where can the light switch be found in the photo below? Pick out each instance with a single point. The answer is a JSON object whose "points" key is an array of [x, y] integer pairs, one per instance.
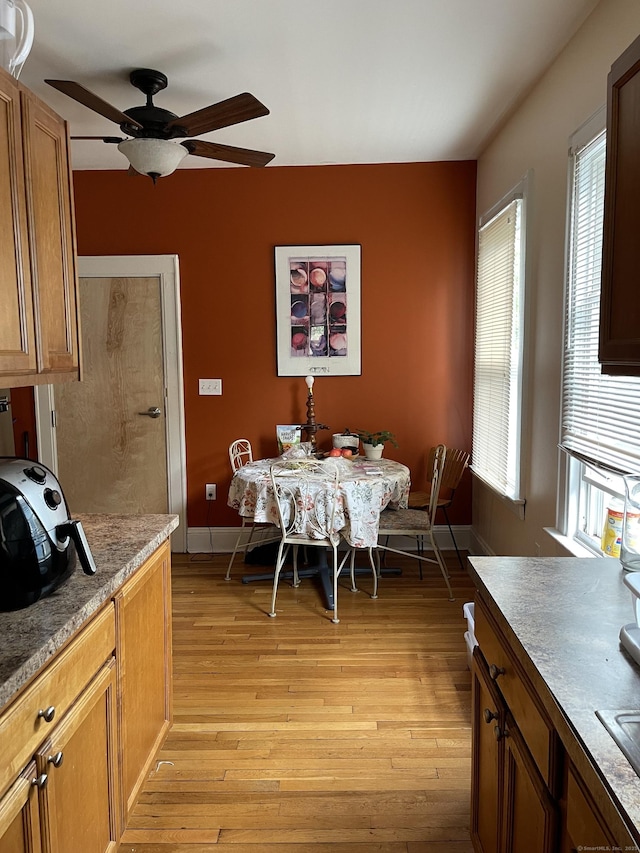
{"points": [[210, 386]]}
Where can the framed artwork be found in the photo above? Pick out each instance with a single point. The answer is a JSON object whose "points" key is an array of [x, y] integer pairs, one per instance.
{"points": [[318, 310]]}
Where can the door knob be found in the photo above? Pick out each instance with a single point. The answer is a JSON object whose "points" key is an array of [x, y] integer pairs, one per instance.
{"points": [[152, 412]]}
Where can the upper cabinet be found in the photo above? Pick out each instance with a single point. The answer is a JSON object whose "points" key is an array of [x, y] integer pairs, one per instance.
{"points": [[39, 320], [619, 350]]}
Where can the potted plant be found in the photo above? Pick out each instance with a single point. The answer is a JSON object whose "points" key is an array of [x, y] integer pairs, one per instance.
{"points": [[373, 442]]}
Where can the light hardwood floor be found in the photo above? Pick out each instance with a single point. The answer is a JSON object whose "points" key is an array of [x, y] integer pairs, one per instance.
{"points": [[297, 735]]}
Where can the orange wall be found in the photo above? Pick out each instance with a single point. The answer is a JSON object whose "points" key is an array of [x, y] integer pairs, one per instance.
{"points": [[415, 223]]}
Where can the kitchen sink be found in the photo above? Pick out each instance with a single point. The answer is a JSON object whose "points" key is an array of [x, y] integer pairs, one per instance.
{"points": [[624, 728]]}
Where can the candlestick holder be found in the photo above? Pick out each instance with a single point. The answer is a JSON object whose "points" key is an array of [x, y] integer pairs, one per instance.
{"points": [[311, 427]]}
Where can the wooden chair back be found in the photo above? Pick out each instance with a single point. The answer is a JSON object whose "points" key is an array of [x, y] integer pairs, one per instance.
{"points": [[454, 467]]}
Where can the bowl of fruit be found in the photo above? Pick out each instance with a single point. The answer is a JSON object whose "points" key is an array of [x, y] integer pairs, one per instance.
{"points": [[346, 443]]}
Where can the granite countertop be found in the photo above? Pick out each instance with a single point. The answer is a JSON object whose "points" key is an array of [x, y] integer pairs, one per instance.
{"points": [[31, 636], [566, 614]]}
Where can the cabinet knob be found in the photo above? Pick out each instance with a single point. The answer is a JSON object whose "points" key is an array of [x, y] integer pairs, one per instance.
{"points": [[47, 713], [495, 671], [489, 715], [56, 759], [499, 734], [40, 781]]}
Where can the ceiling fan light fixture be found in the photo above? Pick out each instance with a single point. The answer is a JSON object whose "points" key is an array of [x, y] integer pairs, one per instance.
{"points": [[154, 157]]}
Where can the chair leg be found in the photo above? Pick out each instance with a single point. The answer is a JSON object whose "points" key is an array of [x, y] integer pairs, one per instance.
{"points": [[374, 572], [227, 577], [335, 585], [455, 544], [276, 577], [441, 563]]}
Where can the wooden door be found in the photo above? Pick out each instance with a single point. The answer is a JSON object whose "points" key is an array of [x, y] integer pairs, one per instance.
{"points": [[19, 816], [17, 335], [79, 803], [111, 458]]}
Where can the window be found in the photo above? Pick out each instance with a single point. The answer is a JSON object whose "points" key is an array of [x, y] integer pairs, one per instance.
{"points": [[499, 346], [600, 414]]}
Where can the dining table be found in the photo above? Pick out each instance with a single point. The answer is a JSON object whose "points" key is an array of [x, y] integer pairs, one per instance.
{"points": [[366, 487]]}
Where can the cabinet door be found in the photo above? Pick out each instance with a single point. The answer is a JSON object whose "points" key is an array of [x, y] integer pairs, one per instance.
{"points": [[529, 823], [619, 310], [488, 715], [17, 338], [19, 817], [51, 235], [584, 826], [79, 802], [143, 620]]}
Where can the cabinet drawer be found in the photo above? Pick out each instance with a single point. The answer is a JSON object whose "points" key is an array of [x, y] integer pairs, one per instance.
{"points": [[22, 727], [525, 709]]}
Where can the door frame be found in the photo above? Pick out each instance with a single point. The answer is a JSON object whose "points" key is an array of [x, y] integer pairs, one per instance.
{"points": [[166, 269]]}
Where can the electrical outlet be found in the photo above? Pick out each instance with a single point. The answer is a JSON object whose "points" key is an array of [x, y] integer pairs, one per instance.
{"points": [[210, 386], [210, 491]]}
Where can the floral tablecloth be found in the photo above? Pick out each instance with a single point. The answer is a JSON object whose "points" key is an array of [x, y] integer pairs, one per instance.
{"points": [[366, 488]]}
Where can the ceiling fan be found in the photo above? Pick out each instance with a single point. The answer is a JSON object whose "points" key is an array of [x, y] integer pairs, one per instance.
{"points": [[152, 149]]}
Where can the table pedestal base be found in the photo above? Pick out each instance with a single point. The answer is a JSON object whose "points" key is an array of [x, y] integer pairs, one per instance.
{"points": [[323, 573]]}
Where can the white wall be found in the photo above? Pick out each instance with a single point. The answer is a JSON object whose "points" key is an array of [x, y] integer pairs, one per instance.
{"points": [[536, 138]]}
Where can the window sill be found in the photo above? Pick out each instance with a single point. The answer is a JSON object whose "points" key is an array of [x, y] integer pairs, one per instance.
{"points": [[516, 505], [575, 549]]}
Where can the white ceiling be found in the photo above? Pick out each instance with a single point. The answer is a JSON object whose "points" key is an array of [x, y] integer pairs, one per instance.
{"points": [[346, 81]]}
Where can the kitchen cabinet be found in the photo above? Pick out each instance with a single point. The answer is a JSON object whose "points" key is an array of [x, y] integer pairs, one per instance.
{"points": [[62, 729], [512, 810], [526, 794], [19, 815], [584, 826], [38, 288], [78, 768], [78, 739], [619, 350], [143, 618]]}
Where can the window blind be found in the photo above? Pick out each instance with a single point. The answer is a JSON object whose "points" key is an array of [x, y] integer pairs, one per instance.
{"points": [[497, 365], [600, 414]]}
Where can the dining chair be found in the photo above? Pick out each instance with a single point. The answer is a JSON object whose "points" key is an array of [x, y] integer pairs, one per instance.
{"points": [[417, 523], [240, 453], [307, 494], [456, 463]]}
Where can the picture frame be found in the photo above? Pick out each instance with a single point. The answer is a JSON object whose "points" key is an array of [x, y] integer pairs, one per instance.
{"points": [[318, 327]]}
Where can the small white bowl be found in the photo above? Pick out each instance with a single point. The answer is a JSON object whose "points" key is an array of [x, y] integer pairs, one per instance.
{"points": [[341, 440]]}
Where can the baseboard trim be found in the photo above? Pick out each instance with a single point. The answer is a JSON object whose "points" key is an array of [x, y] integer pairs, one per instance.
{"points": [[477, 545], [222, 540]]}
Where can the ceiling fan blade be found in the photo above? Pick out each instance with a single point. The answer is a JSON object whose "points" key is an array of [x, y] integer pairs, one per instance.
{"points": [[88, 99], [229, 153], [111, 139], [232, 111]]}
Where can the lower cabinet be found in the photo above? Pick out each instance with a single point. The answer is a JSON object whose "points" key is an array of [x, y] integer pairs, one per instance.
{"points": [[512, 810], [584, 827], [77, 743], [526, 794], [143, 640], [19, 815], [530, 815], [77, 774]]}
